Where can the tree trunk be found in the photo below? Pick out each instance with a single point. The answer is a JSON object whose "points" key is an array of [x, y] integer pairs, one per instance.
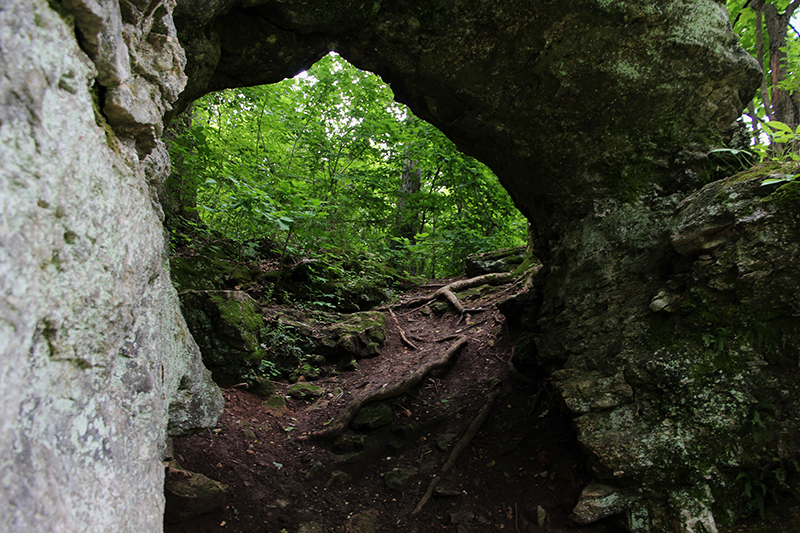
{"points": [[407, 216], [783, 104]]}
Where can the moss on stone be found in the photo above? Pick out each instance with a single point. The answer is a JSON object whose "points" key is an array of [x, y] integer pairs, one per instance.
{"points": [[787, 196], [760, 171], [275, 405], [241, 313], [373, 416], [262, 387], [204, 273], [100, 119], [305, 391]]}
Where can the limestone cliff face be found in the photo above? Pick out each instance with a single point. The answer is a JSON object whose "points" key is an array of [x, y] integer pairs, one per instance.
{"points": [[96, 363], [653, 310]]}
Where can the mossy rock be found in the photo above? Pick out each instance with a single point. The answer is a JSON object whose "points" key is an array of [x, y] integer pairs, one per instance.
{"points": [[240, 312], [360, 335], [352, 443], [505, 260], [305, 391], [476, 293], [189, 494], [275, 405], [373, 416], [226, 326], [348, 344], [262, 387], [307, 372], [398, 479], [205, 273], [345, 281]]}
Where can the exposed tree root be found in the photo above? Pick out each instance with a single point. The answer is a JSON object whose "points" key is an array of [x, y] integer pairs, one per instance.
{"points": [[462, 330], [476, 424], [389, 391], [448, 291]]}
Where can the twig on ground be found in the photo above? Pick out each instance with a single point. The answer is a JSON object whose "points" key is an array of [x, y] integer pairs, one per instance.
{"points": [[407, 312], [516, 373], [402, 333], [387, 391], [476, 424], [461, 331]]}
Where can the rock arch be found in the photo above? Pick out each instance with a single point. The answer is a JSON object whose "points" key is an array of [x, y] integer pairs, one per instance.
{"points": [[597, 117]]}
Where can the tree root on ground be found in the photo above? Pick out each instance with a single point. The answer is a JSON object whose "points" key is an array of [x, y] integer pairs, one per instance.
{"points": [[448, 291], [462, 330], [388, 391], [476, 424]]}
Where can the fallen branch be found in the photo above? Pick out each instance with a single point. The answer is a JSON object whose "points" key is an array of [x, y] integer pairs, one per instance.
{"points": [[476, 424], [402, 333], [388, 391]]}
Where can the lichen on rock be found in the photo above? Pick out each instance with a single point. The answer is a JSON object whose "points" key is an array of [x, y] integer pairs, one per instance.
{"points": [[98, 368]]}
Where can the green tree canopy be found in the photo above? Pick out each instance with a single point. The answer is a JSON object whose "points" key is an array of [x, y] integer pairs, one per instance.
{"points": [[317, 162]]}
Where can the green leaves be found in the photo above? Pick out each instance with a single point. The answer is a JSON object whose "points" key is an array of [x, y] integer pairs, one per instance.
{"points": [[316, 162], [285, 223], [780, 179]]}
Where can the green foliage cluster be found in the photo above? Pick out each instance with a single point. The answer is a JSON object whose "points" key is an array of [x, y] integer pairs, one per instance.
{"points": [[317, 163], [286, 353], [771, 481], [765, 29]]}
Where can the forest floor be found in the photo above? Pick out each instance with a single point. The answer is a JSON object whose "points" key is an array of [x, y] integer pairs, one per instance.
{"points": [[522, 472]]}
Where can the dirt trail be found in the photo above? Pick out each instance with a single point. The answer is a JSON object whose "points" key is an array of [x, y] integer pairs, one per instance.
{"points": [[522, 468]]}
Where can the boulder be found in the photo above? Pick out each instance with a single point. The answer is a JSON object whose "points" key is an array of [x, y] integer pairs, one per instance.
{"points": [[226, 326], [498, 261], [373, 416], [189, 495], [399, 478]]}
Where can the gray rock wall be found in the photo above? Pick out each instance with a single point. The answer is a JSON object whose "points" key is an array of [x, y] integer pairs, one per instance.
{"points": [[97, 365]]}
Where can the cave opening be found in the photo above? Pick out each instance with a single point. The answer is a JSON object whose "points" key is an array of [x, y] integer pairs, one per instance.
{"points": [[309, 273]]}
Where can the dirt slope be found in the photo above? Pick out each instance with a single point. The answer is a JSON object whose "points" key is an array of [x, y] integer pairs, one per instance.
{"points": [[522, 468]]}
